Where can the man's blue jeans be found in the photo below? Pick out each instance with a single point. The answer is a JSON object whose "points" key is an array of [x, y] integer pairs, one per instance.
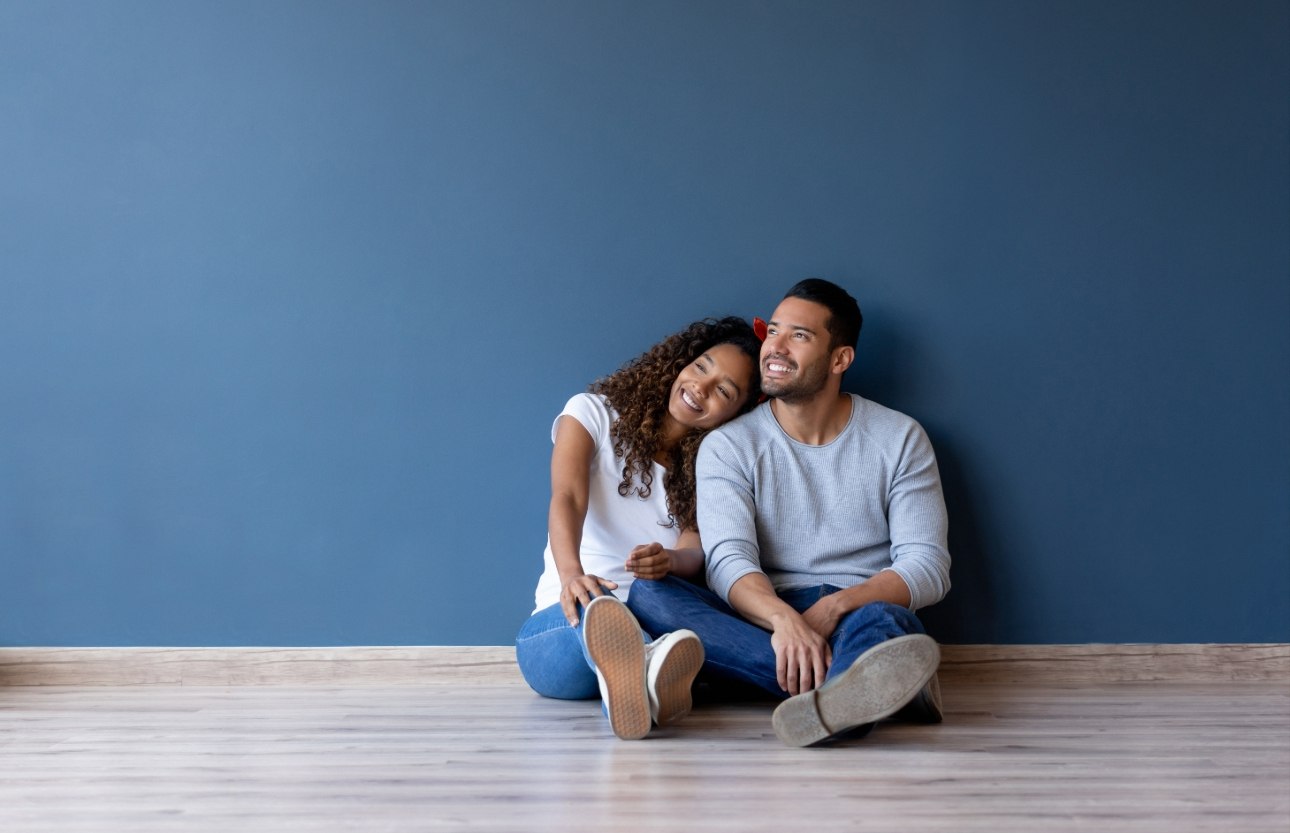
{"points": [[736, 650], [553, 656]]}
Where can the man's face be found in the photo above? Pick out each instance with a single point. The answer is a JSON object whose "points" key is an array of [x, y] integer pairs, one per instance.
{"points": [[795, 357]]}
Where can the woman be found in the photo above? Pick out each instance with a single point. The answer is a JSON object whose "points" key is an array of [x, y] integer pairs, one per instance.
{"points": [[623, 508]]}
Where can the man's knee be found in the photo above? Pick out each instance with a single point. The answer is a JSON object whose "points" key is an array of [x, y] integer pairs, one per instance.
{"points": [[648, 594], [892, 618], [656, 602]]}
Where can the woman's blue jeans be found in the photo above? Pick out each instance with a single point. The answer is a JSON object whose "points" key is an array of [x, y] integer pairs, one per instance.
{"points": [[736, 650], [552, 656]]}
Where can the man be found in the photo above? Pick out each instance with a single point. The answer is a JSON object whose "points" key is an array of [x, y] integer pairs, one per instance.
{"points": [[824, 528]]}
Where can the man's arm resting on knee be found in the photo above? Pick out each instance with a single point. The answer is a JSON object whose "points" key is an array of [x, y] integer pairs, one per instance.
{"points": [[802, 656], [887, 586]]}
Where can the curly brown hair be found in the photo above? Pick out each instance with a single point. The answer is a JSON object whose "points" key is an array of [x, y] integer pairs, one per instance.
{"points": [[639, 393]]}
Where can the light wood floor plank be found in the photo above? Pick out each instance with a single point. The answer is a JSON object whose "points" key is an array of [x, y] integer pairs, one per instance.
{"points": [[1119, 757]]}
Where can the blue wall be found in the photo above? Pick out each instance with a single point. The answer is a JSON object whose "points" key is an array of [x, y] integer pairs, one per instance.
{"points": [[292, 291]]}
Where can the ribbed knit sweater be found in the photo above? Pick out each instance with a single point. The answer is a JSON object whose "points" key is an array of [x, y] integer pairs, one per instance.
{"points": [[839, 513]]}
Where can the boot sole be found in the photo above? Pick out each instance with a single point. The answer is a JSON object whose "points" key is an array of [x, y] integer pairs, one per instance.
{"points": [[614, 643], [881, 681]]}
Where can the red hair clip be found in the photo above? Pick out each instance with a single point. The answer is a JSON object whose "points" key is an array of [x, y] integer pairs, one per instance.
{"points": [[760, 329]]}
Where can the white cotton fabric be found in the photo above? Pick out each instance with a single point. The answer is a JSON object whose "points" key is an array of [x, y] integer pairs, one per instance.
{"points": [[614, 524]]}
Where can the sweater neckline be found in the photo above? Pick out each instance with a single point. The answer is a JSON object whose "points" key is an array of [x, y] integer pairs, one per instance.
{"points": [[846, 429]]}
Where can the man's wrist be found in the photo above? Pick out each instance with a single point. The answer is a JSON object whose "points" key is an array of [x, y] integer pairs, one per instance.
{"points": [[839, 603], [780, 618]]}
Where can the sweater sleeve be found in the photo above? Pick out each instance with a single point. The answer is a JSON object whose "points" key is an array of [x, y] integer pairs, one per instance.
{"points": [[918, 522], [726, 513]]}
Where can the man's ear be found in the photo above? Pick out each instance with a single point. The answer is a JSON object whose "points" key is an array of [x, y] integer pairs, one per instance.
{"points": [[842, 359]]}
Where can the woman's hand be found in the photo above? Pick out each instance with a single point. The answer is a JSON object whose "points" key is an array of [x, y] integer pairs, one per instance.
{"points": [[580, 590], [649, 561]]}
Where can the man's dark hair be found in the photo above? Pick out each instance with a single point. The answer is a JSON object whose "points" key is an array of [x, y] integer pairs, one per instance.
{"points": [[845, 319]]}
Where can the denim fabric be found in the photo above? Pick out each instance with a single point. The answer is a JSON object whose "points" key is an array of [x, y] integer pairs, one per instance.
{"points": [[553, 656], [739, 651]]}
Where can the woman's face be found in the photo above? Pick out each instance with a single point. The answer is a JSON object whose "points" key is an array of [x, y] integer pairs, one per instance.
{"points": [[711, 389]]}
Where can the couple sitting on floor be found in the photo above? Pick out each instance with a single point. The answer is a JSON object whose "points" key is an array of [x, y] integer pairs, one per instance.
{"points": [[823, 528]]}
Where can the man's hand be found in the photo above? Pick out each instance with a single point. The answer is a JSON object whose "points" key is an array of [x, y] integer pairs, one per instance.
{"points": [[823, 616], [802, 656], [581, 590], [649, 561]]}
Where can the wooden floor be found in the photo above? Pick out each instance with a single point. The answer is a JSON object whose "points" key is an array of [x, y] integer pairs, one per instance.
{"points": [[1108, 757]]}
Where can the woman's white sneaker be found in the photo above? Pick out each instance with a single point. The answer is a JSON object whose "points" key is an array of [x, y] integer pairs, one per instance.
{"points": [[617, 647], [673, 661]]}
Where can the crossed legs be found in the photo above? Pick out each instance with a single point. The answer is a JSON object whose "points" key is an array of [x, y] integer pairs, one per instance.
{"points": [[882, 657]]}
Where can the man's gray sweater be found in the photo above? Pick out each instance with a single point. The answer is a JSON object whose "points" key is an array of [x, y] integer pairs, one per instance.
{"points": [[837, 514]]}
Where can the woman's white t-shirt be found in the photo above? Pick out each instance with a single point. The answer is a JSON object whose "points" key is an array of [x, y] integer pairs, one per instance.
{"points": [[614, 524]]}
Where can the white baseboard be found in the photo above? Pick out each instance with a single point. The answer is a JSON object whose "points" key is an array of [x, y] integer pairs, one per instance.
{"points": [[495, 665]]}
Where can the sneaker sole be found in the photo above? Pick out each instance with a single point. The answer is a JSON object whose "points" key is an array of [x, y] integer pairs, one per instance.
{"points": [[675, 679], [615, 644], [881, 681], [932, 710]]}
